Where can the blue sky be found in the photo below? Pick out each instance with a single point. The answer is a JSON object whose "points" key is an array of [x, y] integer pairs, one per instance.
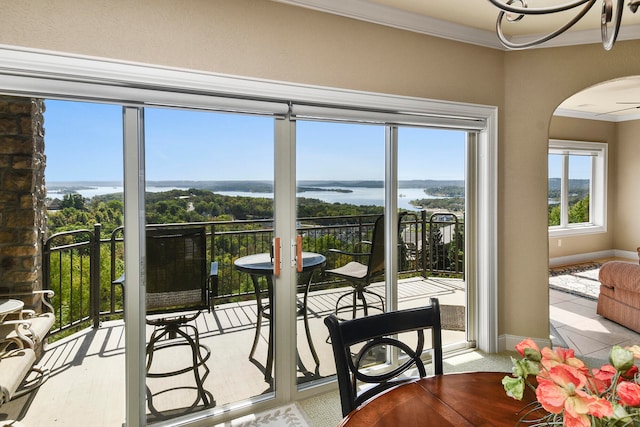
{"points": [[83, 142]]}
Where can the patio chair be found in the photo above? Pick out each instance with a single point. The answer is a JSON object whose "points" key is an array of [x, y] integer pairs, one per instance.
{"points": [[178, 290], [365, 267], [361, 349], [30, 326]]}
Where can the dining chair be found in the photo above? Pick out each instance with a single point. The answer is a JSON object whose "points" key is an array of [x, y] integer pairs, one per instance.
{"points": [[363, 349]]}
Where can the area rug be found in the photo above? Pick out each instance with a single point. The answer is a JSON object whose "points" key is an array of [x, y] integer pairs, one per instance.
{"points": [[284, 416], [579, 279]]}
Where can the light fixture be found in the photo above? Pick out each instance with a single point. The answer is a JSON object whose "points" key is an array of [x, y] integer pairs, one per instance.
{"points": [[515, 10]]}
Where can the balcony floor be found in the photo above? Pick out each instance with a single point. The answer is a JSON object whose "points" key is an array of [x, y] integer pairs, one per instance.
{"points": [[87, 381], [87, 378]]}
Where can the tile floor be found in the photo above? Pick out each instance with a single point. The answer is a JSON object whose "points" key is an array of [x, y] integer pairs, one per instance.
{"points": [[575, 324]]}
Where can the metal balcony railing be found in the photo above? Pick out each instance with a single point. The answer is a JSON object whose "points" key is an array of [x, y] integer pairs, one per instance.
{"points": [[80, 266]]}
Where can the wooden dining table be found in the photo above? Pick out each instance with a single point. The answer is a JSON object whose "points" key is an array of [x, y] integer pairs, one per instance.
{"points": [[461, 400]]}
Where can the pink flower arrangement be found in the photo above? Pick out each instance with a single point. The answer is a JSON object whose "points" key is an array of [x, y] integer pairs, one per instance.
{"points": [[572, 394]]}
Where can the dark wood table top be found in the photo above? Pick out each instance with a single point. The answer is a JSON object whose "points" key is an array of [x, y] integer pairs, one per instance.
{"points": [[464, 399]]}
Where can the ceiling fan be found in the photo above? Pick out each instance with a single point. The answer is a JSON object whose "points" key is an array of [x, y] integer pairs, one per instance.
{"points": [[637, 107]]}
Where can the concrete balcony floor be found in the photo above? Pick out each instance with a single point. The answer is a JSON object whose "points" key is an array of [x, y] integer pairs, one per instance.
{"points": [[87, 379]]}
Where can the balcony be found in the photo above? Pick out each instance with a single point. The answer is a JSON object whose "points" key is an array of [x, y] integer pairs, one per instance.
{"points": [[86, 352]]}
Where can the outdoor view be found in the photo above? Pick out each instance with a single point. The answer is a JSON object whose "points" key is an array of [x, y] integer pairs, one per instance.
{"points": [[579, 187], [214, 173]]}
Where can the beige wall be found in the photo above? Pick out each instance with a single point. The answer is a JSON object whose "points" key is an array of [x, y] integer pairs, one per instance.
{"points": [[624, 214], [593, 131], [269, 40], [536, 81]]}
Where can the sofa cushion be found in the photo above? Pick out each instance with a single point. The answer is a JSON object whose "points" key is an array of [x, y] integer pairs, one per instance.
{"points": [[620, 275], [14, 367]]}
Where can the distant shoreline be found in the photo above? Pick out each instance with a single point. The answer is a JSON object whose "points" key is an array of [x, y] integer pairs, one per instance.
{"points": [[257, 185]]}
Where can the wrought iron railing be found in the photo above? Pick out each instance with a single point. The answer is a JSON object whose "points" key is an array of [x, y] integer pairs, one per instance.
{"points": [[80, 266]]}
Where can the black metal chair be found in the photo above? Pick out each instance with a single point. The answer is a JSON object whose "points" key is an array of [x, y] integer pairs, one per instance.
{"points": [[365, 267], [367, 342], [178, 292], [179, 287]]}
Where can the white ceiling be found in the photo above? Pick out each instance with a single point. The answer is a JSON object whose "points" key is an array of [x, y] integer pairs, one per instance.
{"points": [[474, 21]]}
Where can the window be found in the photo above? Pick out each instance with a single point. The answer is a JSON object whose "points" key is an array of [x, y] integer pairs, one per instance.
{"points": [[137, 87], [577, 187]]}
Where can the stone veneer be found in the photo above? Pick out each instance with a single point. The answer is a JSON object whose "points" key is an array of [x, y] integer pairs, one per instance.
{"points": [[22, 193]]}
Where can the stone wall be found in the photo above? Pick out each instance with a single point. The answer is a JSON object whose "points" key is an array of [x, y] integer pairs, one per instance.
{"points": [[22, 193]]}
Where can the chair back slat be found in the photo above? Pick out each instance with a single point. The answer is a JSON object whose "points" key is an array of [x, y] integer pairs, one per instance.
{"points": [[176, 271]]}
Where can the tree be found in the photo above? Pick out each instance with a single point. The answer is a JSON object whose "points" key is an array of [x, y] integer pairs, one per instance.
{"points": [[75, 201], [579, 211]]}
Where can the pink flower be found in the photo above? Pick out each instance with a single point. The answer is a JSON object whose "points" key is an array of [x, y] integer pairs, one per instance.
{"points": [[564, 390], [635, 349], [526, 343], [565, 356], [603, 377], [629, 393]]}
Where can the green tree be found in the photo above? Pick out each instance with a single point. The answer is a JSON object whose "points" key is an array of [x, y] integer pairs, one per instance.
{"points": [[75, 201], [579, 211], [554, 215]]}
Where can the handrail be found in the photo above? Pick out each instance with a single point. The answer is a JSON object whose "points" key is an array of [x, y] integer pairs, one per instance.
{"points": [[74, 261]]}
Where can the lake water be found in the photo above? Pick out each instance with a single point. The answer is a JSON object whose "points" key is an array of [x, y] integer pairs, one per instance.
{"points": [[358, 196]]}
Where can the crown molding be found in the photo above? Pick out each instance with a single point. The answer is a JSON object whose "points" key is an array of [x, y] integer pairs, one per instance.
{"points": [[378, 14], [368, 11]]}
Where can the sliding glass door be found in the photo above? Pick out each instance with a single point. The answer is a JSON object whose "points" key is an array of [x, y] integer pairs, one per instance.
{"points": [[209, 203], [432, 198], [340, 189]]}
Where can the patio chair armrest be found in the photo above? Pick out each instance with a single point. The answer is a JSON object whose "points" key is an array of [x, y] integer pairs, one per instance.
{"points": [[17, 332], [43, 296], [27, 314]]}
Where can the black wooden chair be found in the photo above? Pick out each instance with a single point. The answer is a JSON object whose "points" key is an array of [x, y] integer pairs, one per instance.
{"points": [[362, 349], [365, 267]]}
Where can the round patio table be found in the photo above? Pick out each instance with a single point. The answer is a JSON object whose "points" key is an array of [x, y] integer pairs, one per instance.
{"points": [[262, 265]]}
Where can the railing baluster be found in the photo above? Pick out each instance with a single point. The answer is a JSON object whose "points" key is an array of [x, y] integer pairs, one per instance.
{"points": [[238, 238]]}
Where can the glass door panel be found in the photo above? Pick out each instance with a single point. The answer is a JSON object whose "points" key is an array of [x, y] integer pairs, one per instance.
{"points": [[340, 178], [431, 199], [209, 206], [84, 180]]}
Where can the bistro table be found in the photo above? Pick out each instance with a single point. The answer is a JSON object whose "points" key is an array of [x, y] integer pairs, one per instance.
{"points": [[262, 265], [8, 306], [460, 400]]}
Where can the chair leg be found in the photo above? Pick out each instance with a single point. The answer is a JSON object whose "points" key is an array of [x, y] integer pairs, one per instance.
{"points": [[340, 299], [198, 360], [364, 302], [376, 295]]}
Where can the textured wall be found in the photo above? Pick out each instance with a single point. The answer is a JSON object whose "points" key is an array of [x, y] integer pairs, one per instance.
{"points": [[22, 193]]}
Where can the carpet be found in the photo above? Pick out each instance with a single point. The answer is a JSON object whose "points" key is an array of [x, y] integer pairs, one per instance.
{"points": [[579, 279], [284, 416]]}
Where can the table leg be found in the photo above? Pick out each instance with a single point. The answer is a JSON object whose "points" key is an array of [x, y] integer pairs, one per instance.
{"points": [[306, 322], [261, 311]]}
